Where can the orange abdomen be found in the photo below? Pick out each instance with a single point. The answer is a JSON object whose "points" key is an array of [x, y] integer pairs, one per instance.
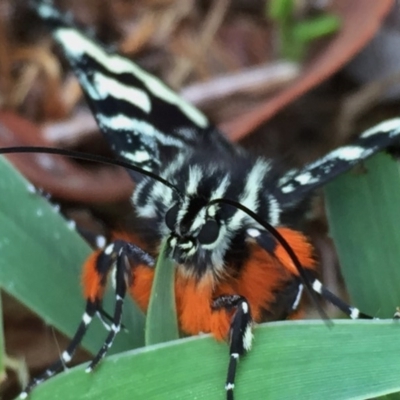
{"points": [[264, 280]]}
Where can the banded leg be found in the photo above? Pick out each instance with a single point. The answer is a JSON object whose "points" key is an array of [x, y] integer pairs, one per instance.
{"points": [[350, 311], [122, 268], [66, 356], [125, 256], [121, 257], [240, 334], [99, 242], [267, 242], [105, 318]]}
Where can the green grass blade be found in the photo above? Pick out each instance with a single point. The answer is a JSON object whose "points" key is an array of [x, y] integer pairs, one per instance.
{"points": [[315, 28], [364, 219], [161, 321], [290, 360], [41, 259], [2, 346]]}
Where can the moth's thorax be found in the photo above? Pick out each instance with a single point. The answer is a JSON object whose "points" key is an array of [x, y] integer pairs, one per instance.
{"points": [[200, 235]]}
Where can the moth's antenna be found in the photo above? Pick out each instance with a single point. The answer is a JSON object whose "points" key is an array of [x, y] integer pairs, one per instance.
{"points": [[282, 241], [89, 157]]}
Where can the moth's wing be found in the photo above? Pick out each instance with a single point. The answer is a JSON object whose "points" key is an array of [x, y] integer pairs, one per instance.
{"points": [[144, 121], [295, 185]]}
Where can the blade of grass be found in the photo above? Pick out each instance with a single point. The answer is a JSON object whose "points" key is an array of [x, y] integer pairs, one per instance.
{"points": [[161, 321], [41, 258], [2, 345], [364, 218], [290, 360]]}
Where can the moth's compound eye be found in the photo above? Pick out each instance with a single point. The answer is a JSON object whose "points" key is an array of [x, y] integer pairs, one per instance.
{"points": [[209, 232], [171, 217]]}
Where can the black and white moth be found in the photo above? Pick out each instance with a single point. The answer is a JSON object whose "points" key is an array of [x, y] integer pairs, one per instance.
{"points": [[150, 126]]}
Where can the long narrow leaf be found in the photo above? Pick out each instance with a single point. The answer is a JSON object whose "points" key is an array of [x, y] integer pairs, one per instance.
{"points": [[41, 258], [2, 345], [364, 219], [295, 360], [161, 321]]}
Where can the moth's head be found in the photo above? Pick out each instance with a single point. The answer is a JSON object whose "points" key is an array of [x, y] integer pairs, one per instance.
{"points": [[195, 230]]}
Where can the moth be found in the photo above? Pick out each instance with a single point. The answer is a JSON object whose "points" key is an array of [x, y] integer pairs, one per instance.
{"points": [[224, 214]]}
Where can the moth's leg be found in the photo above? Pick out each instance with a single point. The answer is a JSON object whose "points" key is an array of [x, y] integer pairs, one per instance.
{"points": [[91, 308], [240, 333], [127, 256], [121, 257], [350, 311], [66, 356], [298, 273], [303, 251]]}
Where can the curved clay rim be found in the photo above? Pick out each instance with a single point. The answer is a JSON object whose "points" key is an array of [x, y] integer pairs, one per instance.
{"points": [[360, 20]]}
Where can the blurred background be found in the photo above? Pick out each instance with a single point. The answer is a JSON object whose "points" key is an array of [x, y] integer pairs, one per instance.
{"points": [[287, 78]]}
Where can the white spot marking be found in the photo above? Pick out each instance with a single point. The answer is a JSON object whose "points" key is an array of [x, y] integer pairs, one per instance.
{"points": [[317, 286], [113, 277], [125, 123], [66, 357], [137, 156], [347, 153], [311, 174], [254, 233], [86, 319], [386, 126], [287, 189], [100, 241], [109, 249], [106, 86], [71, 224], [298, 297], [31, 188], [355, 313], [247, 338], [288, 176], [306, 178], [186, 246], [274, 211], [46, 11]]}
